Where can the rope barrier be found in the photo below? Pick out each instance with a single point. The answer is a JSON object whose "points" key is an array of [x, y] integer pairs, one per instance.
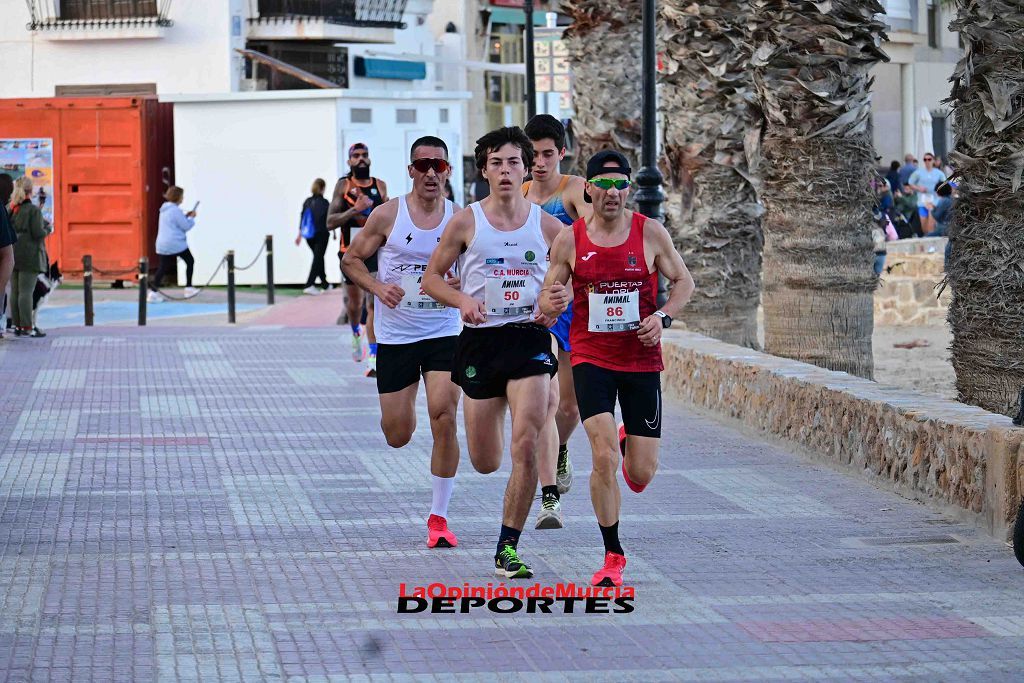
{"points": [[193, 296], [143, 276], [253, 262]]}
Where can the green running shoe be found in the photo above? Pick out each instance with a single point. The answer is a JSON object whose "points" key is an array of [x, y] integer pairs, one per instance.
{"points": [[563, 475], [508, 564]]}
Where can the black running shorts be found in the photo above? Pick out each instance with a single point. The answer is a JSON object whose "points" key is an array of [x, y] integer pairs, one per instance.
{"points": [[487, 358], [371, 265], [639, 395], [400, 365]]}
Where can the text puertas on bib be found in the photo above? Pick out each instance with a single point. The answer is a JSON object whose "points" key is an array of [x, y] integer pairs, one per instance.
{"points": [[614, 312]]}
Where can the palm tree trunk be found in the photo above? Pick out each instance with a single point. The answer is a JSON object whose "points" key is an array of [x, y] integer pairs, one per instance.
{"points": [[811, 69], [986, 264], [711, 133], [604, 43]]}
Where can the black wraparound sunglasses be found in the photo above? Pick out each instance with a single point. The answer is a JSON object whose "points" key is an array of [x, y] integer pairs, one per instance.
{"points": [[424, 165]]}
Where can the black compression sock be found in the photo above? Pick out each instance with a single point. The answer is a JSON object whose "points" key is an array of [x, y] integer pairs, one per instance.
{"points": [[610, 534], [552, 490], [508, 536]]}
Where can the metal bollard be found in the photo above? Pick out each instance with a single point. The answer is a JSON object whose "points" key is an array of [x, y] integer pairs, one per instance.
{"points": [[87, 289], [231, 286], [270, 270], [143, 289]]}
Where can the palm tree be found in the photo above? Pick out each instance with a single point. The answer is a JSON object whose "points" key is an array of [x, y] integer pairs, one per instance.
{"points": [[604, 51], [811, 70], [986, 264], [711, 131]]}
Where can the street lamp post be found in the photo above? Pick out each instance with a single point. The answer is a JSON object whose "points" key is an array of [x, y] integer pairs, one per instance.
{"points": [[649, 195], [531, 77]]}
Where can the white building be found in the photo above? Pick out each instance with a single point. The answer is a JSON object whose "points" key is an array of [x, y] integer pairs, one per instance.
{"points": [[249, 191], [923, 53], [65, 47], [250, 157]]}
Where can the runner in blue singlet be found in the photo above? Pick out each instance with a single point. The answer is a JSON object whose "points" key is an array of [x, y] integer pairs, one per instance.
{"points": [[562, 197]]}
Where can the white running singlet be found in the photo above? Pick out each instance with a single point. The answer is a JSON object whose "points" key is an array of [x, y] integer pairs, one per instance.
{"points": [[505, 269], [402, 260]]}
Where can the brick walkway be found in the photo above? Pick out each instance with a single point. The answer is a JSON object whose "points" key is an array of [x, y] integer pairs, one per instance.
{"points": [[184, 504]]}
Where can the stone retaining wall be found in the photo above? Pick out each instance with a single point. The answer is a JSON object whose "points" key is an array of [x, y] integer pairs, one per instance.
{"points": [[927, 448], [908, 294]]}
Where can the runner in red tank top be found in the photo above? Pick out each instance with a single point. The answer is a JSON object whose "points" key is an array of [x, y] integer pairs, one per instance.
{"points": [[614, 260]]}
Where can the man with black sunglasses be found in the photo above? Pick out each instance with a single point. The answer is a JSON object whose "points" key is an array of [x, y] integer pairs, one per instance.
{"points": [[355, 197], [415, 334], [614, 259]]}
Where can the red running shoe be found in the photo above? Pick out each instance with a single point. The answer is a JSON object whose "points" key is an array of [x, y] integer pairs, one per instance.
{"points": [[635, 488], [438, 535], [610, 574]]}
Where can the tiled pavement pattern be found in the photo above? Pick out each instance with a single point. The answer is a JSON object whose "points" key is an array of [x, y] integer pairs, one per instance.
{"points": [[218, 505]]}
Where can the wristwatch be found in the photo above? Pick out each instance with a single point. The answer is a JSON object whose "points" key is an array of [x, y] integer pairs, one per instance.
{"points": [[666, 319]]}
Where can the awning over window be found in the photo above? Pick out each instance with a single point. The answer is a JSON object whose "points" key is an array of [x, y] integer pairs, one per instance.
{"points": [[506, 15]]}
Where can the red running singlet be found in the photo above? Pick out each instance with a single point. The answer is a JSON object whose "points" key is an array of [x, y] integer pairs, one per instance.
{"points": [[618, 276]]}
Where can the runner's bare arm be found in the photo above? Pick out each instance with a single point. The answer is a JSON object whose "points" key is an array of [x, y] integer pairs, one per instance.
{"points": [[383, 189], [554, 297], [575, 204], [668, 262], [454, 240], [550, 227], [337, 214], [366, 242]]}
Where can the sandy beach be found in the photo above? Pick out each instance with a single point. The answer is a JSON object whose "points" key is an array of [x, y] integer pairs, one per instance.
{"points": [[925, 369]]}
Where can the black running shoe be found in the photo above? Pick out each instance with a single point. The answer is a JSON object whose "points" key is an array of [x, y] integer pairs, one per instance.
{"points": [[508, 564]]}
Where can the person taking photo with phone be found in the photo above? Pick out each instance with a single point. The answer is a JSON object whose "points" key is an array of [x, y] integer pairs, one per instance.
{"points": [[172, 243]]}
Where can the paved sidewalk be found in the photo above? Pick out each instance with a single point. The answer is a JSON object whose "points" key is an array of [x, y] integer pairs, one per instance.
{"points": [[217, 504]]}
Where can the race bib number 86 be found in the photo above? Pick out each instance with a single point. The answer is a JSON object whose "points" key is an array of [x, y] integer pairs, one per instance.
{"points": [[617, 312]]}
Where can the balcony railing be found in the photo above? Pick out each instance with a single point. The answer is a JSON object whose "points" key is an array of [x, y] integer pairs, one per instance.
{"points": [[369, 13], [47, 14]]}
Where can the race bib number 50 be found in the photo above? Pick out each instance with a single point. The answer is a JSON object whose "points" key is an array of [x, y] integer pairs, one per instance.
{"points": [[509, 295], [614, 312], [415, 298]]}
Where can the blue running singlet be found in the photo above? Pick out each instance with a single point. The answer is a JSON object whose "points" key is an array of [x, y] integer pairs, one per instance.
{"points": [[555, 207]]}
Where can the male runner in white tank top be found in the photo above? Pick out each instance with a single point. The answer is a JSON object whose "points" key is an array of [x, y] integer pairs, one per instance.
{"points": [[415, 334], [503, 358]]}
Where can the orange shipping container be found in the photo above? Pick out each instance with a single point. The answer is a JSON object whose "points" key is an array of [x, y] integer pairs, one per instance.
{"points": [[112, 160]]}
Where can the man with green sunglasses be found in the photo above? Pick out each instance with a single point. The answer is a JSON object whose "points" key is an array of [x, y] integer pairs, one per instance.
{"points": [[614, 259]]}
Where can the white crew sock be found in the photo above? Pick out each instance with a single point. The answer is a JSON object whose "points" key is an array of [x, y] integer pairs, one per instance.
{"points": [[442, 494]]}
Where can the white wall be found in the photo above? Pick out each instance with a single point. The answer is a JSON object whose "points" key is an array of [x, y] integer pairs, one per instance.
{"points": [[251, 163], [194, 55], [251, 158]]}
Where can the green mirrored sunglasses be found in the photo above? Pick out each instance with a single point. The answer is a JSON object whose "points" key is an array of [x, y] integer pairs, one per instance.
{"points": [[609, 183]]}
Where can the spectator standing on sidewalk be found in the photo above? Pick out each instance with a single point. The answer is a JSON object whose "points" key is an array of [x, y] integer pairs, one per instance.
{"points": [[7, 240], [172, 243], [317, 208], [924, 181], [908, 167], [29, 256], [893, 178]]}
